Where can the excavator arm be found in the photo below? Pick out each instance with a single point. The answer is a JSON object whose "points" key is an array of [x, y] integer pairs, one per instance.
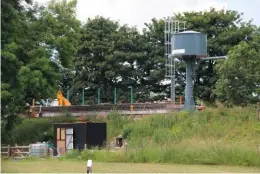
{"points": [[62, 100]]}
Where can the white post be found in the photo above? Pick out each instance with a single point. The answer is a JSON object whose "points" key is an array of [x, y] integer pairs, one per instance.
{"points": [[30, 150], [89, 166]]}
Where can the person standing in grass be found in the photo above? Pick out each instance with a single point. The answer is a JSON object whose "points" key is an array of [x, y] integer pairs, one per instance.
{"points": [[51, 147]]}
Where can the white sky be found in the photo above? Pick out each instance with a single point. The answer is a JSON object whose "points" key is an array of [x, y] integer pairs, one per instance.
{"points": [[137, 12]]}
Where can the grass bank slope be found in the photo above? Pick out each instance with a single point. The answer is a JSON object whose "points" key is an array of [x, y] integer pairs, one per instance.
{"points": [[214, 136]]}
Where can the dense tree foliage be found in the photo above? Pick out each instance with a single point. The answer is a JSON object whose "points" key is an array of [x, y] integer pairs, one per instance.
{"points": [[97, 63], [153, 65], [29, 67], [239, 76], [13, 26], [112, 56]]}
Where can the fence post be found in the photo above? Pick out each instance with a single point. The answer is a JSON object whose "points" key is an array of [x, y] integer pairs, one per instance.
{"points": [[114, 96], [132, 98], [89, 166], [29, 150], [98, 95], [8, 151], [131, 108], [83, 96]]}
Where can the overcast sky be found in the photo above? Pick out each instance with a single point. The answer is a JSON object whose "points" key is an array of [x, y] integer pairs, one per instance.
{"points": [[136, 12]]}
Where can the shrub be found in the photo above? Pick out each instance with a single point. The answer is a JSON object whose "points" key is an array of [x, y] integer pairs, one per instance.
{"points": [[36, 130], [31, 131], [63, 118], [72, 154], [115, 124]]}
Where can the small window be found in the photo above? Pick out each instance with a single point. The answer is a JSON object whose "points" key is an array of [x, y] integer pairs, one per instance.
{"points": [[69, 131], [58, 133], [62, 136]]}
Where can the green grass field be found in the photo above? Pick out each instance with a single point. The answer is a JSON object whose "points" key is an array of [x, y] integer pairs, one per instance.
{"points": [[75, 166]]}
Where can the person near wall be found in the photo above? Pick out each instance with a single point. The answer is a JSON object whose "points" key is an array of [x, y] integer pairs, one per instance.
{"points": [[51, 147]]}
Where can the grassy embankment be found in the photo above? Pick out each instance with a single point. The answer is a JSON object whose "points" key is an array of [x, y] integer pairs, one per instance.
{"points": [[214, 136]]}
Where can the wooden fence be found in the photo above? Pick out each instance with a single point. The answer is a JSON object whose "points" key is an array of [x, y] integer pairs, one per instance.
{"points": [[15, 152], [5, 151]]}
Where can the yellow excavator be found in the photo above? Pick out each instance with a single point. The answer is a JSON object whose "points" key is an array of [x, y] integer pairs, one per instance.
{"points": [[62, 101]]}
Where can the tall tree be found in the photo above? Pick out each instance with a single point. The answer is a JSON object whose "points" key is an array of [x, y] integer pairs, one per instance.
{"points": [[13, 26], [152, 65], [239, 81], [29, 66], [106, 59], [61, 35], [95, 64], [11, 18], [61, 30], [129, 50]]}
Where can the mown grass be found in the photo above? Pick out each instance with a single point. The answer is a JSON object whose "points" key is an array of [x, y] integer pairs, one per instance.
{"points": [[214, 136], [79, 166]]}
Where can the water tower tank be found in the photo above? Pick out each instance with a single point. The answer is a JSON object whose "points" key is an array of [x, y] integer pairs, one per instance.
{"points": [[189, 43]]}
